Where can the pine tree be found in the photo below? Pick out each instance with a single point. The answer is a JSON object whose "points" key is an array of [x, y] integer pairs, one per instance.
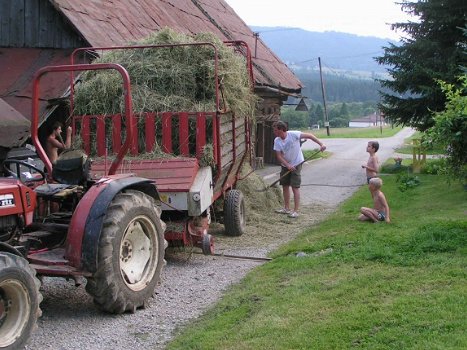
{"points": [[344, 112], [319, 114], [431, 51]]}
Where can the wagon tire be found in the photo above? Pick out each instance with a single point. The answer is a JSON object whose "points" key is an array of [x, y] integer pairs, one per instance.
{"points": [[131, 254], [208, 244], [234, 213], [19, 301]]}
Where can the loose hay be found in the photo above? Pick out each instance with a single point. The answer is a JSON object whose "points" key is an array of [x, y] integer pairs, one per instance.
{"points": [[178, 78], [265, 229], [258, 203]]}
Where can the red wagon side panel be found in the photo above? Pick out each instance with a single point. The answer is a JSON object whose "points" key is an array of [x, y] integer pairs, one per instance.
{"points": [[170, 175]]}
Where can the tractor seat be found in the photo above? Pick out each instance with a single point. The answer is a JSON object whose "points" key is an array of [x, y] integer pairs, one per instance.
{"points": [[54, 190], [72, 168]]}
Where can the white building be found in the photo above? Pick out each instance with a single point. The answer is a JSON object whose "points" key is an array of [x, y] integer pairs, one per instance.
{"points": [[367, 121]]}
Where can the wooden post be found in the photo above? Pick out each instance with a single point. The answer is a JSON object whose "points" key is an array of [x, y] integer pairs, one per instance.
{"points": [[326, 120]]}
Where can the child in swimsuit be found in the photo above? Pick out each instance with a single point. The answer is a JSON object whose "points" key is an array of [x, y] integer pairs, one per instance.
{"points": [[380, 210], [371, 167]]}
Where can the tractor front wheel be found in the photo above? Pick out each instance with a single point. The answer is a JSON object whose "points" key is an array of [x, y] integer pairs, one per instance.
{"points": [[131, 254], [19, 301]]}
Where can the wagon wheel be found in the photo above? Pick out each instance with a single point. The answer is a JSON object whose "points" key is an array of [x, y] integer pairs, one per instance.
{"points": [[208, 244], [19, 301], [131, 254], [234, 213]]}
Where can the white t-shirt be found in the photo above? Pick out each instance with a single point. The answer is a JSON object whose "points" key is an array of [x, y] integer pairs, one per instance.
{"points": [[290, 147]]}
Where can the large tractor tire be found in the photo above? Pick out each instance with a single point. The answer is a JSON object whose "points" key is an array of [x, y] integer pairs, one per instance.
{"points": [[234, 213], [19, 301], [131, 254]]}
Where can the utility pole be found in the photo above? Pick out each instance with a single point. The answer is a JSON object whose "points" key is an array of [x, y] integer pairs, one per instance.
{"points": [[326, 120]]}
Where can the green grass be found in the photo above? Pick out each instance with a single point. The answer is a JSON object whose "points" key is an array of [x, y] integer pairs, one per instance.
{"points": [[373, 286], [373, 132]]}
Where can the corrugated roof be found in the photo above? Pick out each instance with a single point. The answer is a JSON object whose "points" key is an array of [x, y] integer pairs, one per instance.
{"points": [[18, 126], [117, 22], [17, 71]]}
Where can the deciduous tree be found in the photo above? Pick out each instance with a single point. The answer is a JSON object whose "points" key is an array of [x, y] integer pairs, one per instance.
{"points": [[450, 129]]}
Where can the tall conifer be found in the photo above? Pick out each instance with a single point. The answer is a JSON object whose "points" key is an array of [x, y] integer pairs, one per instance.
{"points": [[432, 49]]}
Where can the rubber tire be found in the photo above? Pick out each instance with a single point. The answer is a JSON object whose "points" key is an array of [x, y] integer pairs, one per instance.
{"points": [[234, 213], [111, 291], [18, 280], [208, 244]]}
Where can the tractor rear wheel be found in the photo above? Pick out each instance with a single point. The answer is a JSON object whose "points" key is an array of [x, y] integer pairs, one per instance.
{"points": [[234, 213], [131, 254], [19, 301]]}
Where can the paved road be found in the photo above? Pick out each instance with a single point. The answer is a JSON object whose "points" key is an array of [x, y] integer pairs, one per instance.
{"points": [[330, 181]]}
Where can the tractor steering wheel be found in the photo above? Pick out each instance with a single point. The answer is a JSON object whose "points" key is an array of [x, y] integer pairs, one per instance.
{"points": [[17, 174]]}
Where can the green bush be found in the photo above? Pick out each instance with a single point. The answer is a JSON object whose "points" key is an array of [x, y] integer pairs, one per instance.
{"points": [[407, 181], [434, 167]]}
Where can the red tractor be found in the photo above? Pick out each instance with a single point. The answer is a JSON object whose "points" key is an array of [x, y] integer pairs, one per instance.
{"points": [[61, 223]]}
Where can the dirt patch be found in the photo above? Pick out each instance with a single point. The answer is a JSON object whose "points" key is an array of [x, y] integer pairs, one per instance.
{"points": [[268, 231]]}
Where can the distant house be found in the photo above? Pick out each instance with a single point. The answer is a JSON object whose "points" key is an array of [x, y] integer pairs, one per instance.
{"points": [[375, 119], [38, 33]]}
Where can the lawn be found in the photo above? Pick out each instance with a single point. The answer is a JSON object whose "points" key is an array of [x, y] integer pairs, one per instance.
{"points": [[373, 132], [345, 284]]}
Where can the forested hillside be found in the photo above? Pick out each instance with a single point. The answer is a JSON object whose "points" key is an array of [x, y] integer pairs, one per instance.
{"points": [[350, 73], [339, 87], [300, 48]]}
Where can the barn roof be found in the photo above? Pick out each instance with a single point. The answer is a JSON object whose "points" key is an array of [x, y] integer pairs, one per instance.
{"points": [[14, 127], [17, 70], [117, 22]]}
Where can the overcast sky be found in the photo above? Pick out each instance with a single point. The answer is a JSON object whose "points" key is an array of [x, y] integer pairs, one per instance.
{"points": [[361, 17]]}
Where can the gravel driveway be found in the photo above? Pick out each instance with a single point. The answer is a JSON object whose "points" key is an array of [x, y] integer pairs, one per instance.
{"points": [[193, 282]]}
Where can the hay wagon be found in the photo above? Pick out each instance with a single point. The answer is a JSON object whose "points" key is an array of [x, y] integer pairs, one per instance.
{"points": [[194, 157]]}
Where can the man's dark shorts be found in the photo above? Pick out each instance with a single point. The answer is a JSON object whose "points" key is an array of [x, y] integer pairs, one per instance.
{"points": [[293, 179]]}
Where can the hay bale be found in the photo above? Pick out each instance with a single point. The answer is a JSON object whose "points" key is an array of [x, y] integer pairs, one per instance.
{"points": [[169, 79]]}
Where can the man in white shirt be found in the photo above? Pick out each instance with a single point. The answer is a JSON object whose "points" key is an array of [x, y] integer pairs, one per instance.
{"points": [[288, 152]]}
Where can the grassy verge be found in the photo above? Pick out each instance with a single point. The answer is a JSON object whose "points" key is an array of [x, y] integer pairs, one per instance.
{"points": [[355, 285], [373, 132]]}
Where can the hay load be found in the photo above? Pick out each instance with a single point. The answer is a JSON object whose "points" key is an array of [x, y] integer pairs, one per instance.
{"points": [[180, 78], [171, 78]]}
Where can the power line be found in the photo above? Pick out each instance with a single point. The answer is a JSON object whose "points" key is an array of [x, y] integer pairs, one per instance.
{"points": [[275, 30], [340, 57]]}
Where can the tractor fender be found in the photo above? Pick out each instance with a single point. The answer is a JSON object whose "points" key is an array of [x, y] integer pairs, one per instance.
{"points": [[83, 242], [6, 248]]}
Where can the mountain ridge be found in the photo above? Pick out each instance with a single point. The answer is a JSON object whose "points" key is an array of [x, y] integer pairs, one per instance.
{"points": [[300, 49]]}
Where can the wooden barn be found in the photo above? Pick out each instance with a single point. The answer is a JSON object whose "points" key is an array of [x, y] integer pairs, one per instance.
{"points": [[37, 33]]}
